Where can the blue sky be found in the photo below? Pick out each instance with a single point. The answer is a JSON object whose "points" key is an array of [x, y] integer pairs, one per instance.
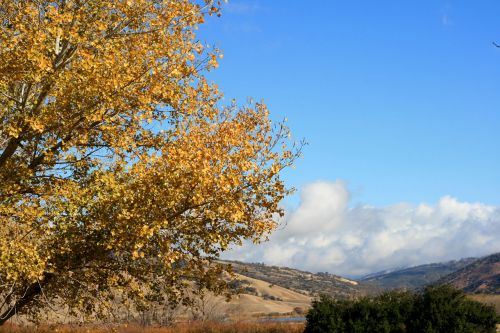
{"points": [[399, 99]]}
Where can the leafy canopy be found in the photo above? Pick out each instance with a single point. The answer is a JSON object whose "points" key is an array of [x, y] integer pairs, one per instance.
{"points": [[120, 172], [434, 310]]}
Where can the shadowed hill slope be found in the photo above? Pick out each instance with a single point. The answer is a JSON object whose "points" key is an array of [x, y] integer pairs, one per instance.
{"points": [[481, 276], [415, 277]]}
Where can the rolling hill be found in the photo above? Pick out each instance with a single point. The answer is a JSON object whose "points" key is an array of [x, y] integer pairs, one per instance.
{"points": [[272, 289], [258, 297], [480, 276], [303, 282]]}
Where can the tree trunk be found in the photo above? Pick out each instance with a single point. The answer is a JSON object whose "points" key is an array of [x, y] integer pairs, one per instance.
{"points": [[31, 292]]}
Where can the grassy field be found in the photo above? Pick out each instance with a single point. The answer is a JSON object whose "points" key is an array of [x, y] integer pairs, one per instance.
{"points": [[181, 328]]}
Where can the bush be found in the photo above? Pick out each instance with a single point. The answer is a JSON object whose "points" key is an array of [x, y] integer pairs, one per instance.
{"points": [[299, 310], [444, 309], [437, 309], [251, 291]]}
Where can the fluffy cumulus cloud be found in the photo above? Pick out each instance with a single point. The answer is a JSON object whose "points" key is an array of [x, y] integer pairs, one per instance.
{"points": [[325, 234]]}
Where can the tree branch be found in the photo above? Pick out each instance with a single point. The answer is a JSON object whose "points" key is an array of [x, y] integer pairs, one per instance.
{"points": [[31, 292]]}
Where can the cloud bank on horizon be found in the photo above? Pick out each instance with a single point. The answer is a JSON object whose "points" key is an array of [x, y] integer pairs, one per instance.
{"points": [[325, 234]]}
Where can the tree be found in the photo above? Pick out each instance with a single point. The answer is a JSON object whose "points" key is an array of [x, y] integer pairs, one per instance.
{"points": [[445, 309], [121, 172]]}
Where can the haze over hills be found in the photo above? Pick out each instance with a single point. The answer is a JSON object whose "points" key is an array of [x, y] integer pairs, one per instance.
{"points": [[415, 277]]}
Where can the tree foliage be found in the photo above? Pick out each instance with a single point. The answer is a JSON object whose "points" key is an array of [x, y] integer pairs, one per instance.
{"points": [[435, 310], [121, 174]]}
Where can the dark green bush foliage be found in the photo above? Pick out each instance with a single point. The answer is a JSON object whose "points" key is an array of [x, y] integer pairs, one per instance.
{"points": [[435, 310]]}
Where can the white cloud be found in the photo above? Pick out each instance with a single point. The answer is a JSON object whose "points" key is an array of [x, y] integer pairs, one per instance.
{"points": [[325, 234]]}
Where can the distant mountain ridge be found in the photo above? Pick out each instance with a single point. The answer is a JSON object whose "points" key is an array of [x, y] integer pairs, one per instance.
{"points": [[480, 276], [415, 277], [473, 275], [383, 272]]}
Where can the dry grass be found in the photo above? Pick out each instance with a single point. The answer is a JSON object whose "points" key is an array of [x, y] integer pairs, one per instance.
{"points": [[242, 327], [488, 299]]}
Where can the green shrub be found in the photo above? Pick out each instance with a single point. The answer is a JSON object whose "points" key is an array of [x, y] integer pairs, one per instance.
{"points": [[445, 309], [436, 309]]}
